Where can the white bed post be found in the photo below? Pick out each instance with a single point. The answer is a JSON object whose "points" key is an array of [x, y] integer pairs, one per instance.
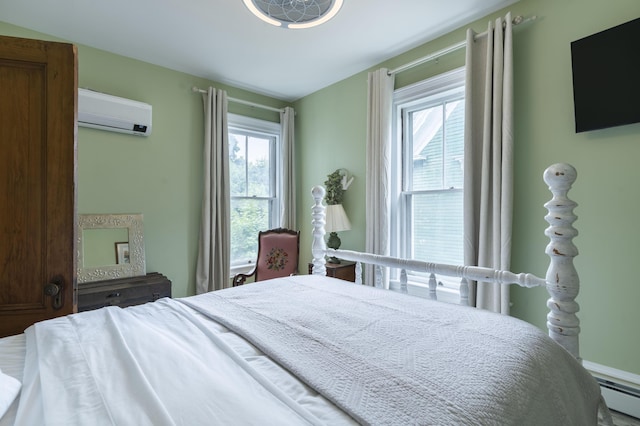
{"points": [[319, 247], [562, 279]]}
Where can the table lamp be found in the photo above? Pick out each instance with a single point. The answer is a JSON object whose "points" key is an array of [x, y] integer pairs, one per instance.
{"points": [[336, 221]]}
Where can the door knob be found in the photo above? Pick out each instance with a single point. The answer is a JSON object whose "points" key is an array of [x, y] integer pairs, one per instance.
{"points": [[51, 289], [54, 289]]}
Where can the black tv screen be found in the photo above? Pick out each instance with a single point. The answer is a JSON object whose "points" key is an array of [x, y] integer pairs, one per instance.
{"points": [[606, 77]]}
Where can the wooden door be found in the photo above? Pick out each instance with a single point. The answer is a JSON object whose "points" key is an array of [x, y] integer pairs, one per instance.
{"points": [[38, 97]]}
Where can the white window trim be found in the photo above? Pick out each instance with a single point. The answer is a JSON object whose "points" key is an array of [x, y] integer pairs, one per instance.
{"points": [[254, 124], [242, 269], [416, 92], [420, 289], [438, 87], [270, 129]]}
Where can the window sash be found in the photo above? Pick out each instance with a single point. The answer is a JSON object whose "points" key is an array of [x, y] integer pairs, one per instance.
{"points": [[409, 103], [249, 146], [265, 205], [244, 239], [437, 245]]}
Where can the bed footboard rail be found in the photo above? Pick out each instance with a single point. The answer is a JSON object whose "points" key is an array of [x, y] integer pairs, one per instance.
{"points": [[561, 280]]}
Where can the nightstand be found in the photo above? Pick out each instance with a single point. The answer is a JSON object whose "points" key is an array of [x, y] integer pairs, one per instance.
{"points": [[345, 270], [123, 291]]}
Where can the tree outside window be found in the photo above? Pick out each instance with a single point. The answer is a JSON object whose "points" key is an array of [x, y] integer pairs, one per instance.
{"points": [[254, 195]]}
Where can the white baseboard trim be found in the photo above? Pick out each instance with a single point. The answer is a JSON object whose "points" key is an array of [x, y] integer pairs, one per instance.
{"points": [[620, 389]]}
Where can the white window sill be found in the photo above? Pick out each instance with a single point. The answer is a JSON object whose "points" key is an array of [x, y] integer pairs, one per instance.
{"points": [[242, 269], [444, 294]]}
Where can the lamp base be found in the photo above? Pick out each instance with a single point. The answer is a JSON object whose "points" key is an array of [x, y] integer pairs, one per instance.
{"points": [[334, 243]]}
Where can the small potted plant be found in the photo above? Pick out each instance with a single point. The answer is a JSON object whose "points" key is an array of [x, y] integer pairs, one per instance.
{"points": [[334, 188]]}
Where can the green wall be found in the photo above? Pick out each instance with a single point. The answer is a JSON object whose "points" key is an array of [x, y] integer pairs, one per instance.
{"points": [[331, 133], [159, 176]]}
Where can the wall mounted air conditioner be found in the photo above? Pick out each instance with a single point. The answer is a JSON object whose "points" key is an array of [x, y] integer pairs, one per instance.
{"points": [[106, 112]]}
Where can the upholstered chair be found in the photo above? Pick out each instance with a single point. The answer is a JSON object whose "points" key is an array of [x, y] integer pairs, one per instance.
{"points": [[278, 251]]}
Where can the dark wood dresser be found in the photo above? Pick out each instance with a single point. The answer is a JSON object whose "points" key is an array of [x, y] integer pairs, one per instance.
{"points": [[123, 291], [344, 270]]}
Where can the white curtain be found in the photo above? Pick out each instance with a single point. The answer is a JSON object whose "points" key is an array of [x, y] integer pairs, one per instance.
{"points": [[488, 157], [212, 270], [288, 206], [379, 111]]}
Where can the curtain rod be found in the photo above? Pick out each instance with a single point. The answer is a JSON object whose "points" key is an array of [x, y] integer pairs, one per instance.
{"points": [[461, 45], [240, 101]]}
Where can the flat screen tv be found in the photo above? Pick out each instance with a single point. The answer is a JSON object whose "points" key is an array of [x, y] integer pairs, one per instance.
{"points": [[606, 77]]}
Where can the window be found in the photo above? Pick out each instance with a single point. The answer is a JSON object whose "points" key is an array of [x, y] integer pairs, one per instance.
{"points": [[254, 171], [428, 158]]}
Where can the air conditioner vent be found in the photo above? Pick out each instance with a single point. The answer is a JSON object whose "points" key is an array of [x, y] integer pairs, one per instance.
{"points": [[112, 113]]}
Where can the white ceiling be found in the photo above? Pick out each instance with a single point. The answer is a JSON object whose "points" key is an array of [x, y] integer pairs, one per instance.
{"points": [[222, 41]]}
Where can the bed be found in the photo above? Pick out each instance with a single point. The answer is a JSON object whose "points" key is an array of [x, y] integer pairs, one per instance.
{"points": [[310, 349]]}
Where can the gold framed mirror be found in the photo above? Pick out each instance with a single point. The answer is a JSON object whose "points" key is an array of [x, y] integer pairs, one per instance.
{"points": [[110, 246]]}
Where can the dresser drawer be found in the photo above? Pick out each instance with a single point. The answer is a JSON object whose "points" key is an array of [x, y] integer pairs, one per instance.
{"points": [[123, 292]]}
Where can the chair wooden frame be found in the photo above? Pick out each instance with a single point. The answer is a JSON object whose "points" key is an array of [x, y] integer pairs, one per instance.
{"points": [[239, 279]]}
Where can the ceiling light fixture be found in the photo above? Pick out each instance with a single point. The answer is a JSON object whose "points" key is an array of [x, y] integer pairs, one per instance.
{"points": [[294, 14]]}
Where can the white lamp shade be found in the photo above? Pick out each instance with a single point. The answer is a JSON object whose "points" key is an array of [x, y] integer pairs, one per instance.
{"points": [[336, 219]]}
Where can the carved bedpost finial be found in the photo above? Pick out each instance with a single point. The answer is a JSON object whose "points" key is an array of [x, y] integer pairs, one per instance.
{"points": [[318, 247], [562, 279]]}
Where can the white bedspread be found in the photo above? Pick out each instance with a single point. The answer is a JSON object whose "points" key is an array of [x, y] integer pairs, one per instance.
{"points": [[391, 359], [382, 357]]}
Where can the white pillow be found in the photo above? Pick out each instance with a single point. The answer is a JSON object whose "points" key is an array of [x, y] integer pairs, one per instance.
{"points": [[9, 389]]}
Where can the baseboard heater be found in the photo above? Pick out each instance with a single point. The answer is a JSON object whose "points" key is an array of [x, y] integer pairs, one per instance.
{"points": [[620, 389]]}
